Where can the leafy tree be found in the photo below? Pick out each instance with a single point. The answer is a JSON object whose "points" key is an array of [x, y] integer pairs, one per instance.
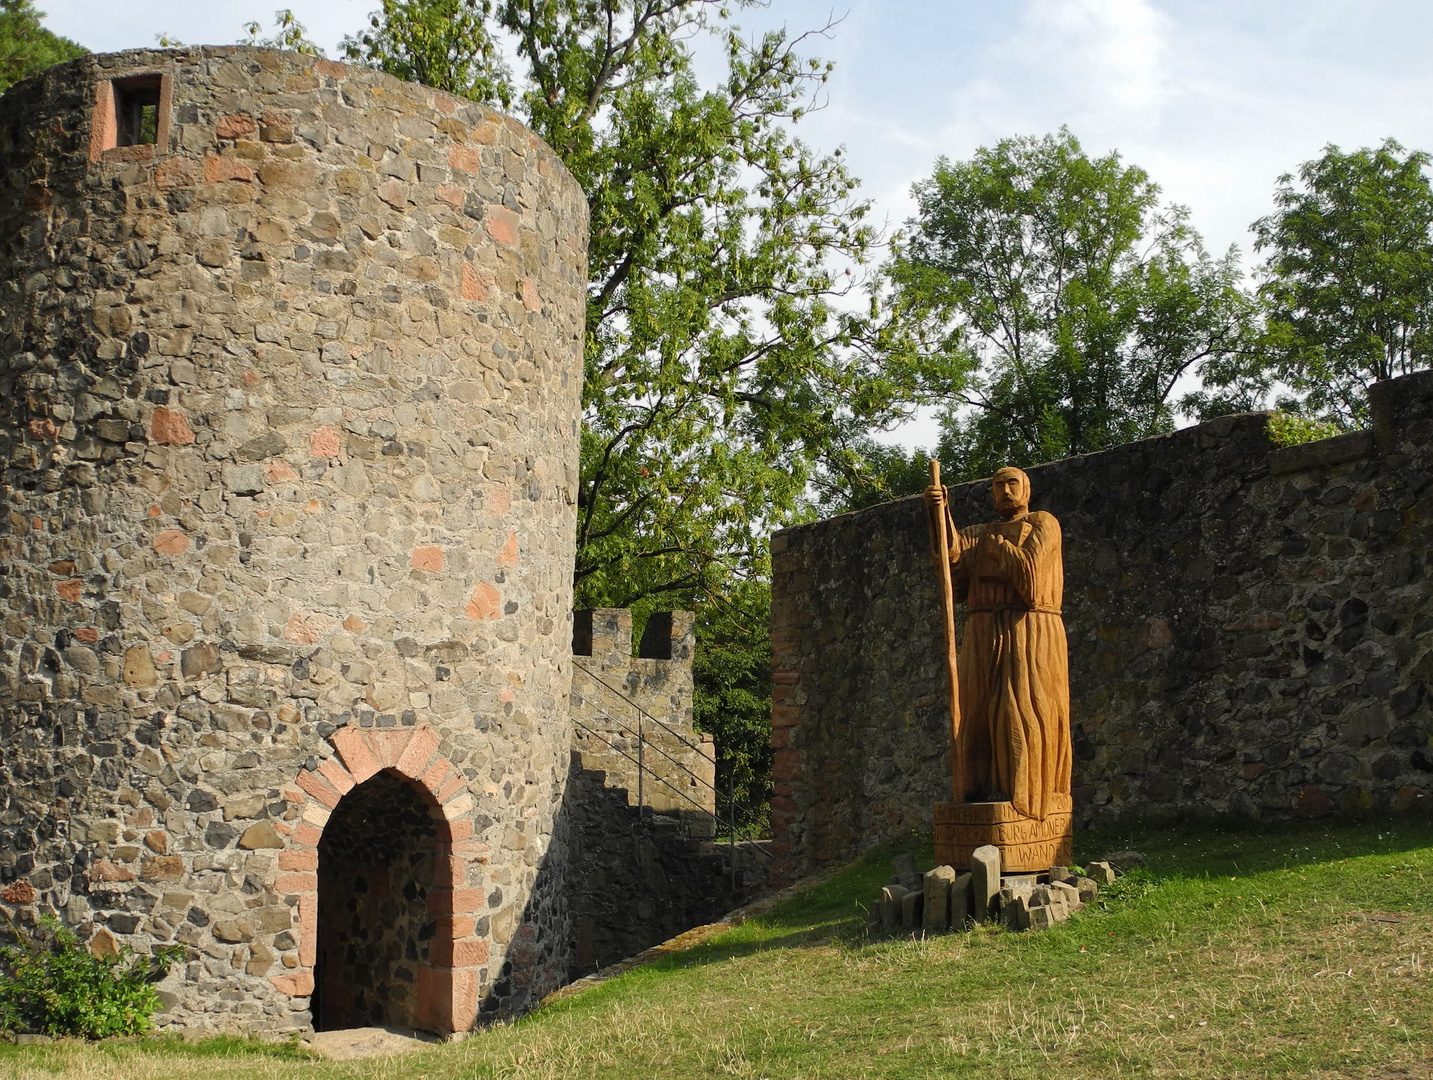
{"points": [[1348, 283], [732, 670], [26, 47], [866, 472], [1290, 429], [1059, 302], [288, 34], [719, 370], [445, 44]]}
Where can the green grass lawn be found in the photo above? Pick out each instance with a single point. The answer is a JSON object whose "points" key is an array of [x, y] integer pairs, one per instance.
{"points": [[1302, 951]]}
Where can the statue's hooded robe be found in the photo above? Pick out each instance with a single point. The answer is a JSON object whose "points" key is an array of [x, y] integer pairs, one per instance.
{"points": [[1014, 739]]}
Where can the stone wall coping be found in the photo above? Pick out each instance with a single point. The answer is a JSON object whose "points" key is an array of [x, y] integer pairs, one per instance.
{"points": [[1322, 453], [1388, 403], [116, 65]]}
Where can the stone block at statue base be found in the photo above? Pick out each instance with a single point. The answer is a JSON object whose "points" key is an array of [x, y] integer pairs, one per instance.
{"points": [[1026, 845]]}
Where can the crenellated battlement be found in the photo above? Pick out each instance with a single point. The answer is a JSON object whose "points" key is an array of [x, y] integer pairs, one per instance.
{"points": [[620, 700]]}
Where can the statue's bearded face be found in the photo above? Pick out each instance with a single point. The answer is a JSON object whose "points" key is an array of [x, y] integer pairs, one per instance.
{"points": [[1010, 489]]}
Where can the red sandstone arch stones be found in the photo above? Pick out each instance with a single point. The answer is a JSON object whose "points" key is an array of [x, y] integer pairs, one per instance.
{"points": [[448, 978]]}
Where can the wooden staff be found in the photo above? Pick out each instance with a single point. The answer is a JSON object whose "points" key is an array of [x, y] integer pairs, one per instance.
{"points": [[940, 552]]}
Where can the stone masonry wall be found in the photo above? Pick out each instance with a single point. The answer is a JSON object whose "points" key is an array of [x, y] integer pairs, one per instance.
{"points": [[1251, 636], [612, 689], [644, 866], [287, 462]]}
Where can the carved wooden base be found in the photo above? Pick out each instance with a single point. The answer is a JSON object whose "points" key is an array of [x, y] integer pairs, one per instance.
{"points": [[1026, 845]]}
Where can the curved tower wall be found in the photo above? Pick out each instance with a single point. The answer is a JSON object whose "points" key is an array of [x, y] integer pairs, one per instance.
{"points": [[288, 468]]}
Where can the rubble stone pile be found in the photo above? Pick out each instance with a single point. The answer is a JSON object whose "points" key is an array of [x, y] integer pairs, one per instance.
{"points": [[944, 899]]}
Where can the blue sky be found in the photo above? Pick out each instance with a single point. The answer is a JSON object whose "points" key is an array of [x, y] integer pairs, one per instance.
{"points": [[1214, 98]]}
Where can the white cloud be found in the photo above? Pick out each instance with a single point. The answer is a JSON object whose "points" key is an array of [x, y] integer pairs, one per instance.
{"points": [[1105, 55]]}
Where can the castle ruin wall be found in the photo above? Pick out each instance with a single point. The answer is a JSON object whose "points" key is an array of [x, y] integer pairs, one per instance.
{"points": [[1250, 627], [641, 797], [290, 381]]}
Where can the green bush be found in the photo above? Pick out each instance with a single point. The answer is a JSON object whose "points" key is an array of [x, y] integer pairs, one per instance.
{"points": [[1286, 429], [51, 984]]}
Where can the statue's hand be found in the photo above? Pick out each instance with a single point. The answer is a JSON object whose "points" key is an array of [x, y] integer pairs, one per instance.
{"points": [[934, 495]]}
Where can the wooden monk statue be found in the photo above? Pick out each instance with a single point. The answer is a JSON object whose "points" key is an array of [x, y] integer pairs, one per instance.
{"points": [[1010, 764]]}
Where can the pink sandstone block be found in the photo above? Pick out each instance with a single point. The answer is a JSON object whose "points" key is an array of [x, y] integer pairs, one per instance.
{"points": [[465, 999], [464, 159], [502, 224], [453, 927], [349, 742], [784, 715], [451, 787], [453, 832], [296, 883], [308, 930], [472, 850], [434, 777], [389, 745], [306, 835], [319, 788], [458, 954], [786, 764], [447, 998], [299, 984], [304, 859], [455, 901], [427, 557], [450, 871], [334, 772], [415, 756]]}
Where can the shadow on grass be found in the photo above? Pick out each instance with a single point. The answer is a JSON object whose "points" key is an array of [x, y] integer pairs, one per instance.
{"points": [[835, 912]]}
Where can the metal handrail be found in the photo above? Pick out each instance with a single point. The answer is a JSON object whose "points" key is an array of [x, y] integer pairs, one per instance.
{"points": [[655, 719], [730, 824], [641, 743]]}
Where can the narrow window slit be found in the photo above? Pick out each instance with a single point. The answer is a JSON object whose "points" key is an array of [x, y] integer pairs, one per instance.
{"points": [[136, 107], [131, 118]]}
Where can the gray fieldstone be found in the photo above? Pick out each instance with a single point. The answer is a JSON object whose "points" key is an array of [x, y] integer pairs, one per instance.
{"points": [[244, 479], [912, 904], [260, 835], [984, 880], [960, 902], [936, 909], [1101, 873], [1015, 911], [1046, 916], [1124, 861], [906, 875], [1070, 893], [892, 906]]}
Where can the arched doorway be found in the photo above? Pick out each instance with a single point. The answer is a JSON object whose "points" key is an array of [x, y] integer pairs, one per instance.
{"points": [[377, 871]]}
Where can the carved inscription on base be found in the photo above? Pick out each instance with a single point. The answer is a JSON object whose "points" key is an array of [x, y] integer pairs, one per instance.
{"points": [[1027, 845]]}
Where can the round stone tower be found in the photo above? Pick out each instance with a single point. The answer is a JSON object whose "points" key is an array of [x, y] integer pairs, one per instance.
{"points": [[290, 365]]}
